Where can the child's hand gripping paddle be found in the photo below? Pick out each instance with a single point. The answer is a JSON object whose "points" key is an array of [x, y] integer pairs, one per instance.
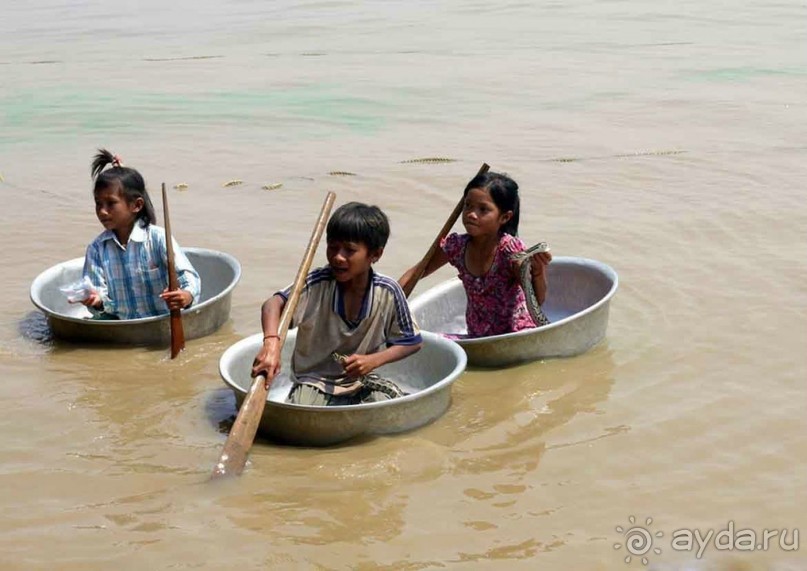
{"points": [[424, 263], [234, 454], [177, 333]]}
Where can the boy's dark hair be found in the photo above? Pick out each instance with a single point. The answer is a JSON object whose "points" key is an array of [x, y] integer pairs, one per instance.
{"points": [[131, 183], [504, 192], [358, 222]]}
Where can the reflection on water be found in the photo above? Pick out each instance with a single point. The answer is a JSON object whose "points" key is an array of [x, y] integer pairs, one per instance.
{"points": [[220, 409], [34, 327], [367, 488]]}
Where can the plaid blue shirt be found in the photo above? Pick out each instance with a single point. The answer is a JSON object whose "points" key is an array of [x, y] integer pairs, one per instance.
{"points": [[130, 279]]}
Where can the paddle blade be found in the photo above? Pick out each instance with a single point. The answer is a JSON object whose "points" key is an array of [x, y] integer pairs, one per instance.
{"points": [[234, 454], [177, 333]]}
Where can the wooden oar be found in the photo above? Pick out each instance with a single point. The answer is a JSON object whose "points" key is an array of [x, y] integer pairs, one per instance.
{"points": [[177, 333], [234, 454], [424, 263]]}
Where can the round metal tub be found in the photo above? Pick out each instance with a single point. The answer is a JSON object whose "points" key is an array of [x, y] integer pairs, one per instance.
{"points": [[577, 303], [427, 376], [220, 273]]}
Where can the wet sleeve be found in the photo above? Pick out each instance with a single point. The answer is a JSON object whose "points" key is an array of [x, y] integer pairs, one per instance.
{"points": [[452, 246], [188, 277], [510, 245], [94, 270], [401, 328], [314, 277]]}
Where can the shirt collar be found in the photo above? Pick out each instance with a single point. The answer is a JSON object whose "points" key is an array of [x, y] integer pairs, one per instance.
{"points": [[138, 232], [366, 303], [138, 235]]}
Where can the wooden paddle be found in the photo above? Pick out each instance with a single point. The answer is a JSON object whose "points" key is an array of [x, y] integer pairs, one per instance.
{"points": [[424, 263], [177, 333], [234, 454]]}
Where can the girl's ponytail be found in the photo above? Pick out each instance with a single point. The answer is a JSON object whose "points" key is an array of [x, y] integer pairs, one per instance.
{"points": [[131, 183], [102, 159]]}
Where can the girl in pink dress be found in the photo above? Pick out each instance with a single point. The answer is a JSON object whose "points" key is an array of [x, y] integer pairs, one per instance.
{"points": [[496, 300]]}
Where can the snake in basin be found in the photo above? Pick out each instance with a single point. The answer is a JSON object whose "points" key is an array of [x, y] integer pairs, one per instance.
{"points": [[373, 382], [525, 258]]}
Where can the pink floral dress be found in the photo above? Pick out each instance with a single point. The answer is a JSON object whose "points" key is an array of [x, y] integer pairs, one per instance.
{"points": [[496, 302]]}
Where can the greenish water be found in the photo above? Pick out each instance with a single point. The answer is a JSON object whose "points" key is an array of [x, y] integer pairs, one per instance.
{"points": [[741, 74], [313, 111]]}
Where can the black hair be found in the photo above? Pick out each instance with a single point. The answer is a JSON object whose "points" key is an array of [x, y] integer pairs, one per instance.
{"points": [[131, 183], [503, 191], [358, 222]]}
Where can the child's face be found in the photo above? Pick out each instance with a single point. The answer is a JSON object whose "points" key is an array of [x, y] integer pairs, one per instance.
{"points": [[480, 215], [349, 260], [114, 212]]}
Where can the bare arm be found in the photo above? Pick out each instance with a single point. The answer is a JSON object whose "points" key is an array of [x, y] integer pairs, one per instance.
{"points": [[537, 272], [439, 259], [359, 365], [267, 361], [539, 281]]}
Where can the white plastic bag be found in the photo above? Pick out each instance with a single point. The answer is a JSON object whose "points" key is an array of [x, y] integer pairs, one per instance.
{"points": [[78, 291]]}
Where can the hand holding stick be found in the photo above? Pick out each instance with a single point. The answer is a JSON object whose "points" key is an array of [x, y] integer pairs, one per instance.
{"points": [[234, 454], [177, 332], [424, 263]]}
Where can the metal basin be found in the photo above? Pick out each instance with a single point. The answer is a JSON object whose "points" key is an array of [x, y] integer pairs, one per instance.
{"points": [[427, 376], [220, 273], [577, 303]]}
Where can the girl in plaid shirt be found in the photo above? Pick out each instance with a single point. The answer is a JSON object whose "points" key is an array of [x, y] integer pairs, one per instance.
{"points": [[127, 263]]}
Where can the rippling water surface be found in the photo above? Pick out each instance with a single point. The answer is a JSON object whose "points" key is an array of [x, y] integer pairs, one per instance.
{"points": [[665, 139]]}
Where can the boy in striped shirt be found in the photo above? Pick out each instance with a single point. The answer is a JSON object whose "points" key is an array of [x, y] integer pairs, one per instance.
{"points": [[345, 308]]}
